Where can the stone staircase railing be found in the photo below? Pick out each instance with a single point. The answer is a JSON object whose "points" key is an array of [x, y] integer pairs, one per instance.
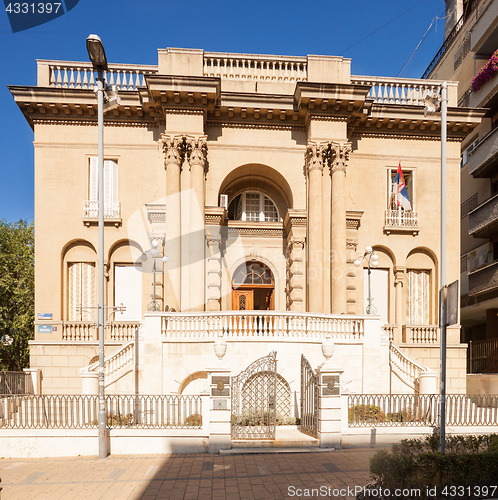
{"points": [[116, 365], [406, 369]]}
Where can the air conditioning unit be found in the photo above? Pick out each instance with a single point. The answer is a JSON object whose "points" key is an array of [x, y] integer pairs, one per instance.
{"points": [[224, 201]]}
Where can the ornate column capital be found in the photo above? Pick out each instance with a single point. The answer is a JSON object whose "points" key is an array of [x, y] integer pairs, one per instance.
{"points": [[316, 155], [340, 153], [173, 150], [196, 148]]}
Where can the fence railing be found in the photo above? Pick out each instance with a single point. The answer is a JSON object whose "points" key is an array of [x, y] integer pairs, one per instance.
{"points": [[421, 410], [123, 411], [260, 324], [421, 334], [482, 356], [15, 383]]}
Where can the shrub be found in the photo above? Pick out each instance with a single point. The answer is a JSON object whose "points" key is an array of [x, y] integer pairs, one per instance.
{"points": [[194, 420], [417, 463], [365, 413]]}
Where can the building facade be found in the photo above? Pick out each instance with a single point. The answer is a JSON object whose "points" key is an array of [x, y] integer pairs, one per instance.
{"points": [[469, 56], [262, 179]]}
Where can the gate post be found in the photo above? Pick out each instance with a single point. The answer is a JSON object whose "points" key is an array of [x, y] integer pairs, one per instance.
{"points": [[220, 410], [329, 407]]}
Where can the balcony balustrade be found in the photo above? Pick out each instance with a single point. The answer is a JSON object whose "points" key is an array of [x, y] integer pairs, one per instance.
{"points": [[401, 221], [483, 220], [484, 279], [483, 159]]}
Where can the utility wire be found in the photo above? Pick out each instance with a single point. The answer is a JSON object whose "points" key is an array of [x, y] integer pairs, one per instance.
{"points": [[378, 29]]}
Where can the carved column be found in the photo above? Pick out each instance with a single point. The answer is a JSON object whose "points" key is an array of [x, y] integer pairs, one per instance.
{"points": [[316, 154], [196, 156], [399, 279], [340, 157], [173, 159]]}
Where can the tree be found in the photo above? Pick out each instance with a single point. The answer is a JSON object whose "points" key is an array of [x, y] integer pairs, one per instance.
{"points": [[17, 295]]}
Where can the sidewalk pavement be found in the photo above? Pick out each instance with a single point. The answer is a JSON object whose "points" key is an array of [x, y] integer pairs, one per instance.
{"points": [[189, 476]]}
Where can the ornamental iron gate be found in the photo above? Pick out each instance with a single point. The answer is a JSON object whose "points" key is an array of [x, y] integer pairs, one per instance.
{"points": [[309, 398], [254, 400]]}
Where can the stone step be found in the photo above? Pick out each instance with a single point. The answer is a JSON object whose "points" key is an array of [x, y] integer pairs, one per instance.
{"points": [[260, 450], [276, 443]]}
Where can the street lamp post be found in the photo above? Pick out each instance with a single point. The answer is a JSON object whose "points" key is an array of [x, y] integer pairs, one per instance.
{"points": [[372, 261], [97, 57], [431, 100]]}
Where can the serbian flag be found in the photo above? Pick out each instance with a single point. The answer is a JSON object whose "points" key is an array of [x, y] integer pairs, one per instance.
{"points": [[400, 191]]}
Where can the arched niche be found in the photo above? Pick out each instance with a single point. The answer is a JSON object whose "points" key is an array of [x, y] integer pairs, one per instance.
{"points": [[194, 383]]}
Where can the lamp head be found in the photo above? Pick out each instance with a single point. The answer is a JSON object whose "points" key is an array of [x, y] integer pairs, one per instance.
{"points": [[375, 257], [165, 259], [154, 243], [96, 52], [368, 249], [357, 262]]}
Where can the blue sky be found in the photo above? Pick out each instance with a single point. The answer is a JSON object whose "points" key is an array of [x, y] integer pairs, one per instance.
{"points": [[132, 31]]}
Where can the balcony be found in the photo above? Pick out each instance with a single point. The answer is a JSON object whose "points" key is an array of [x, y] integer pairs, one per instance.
{"points": [[483, 159], [484, 279], [401, 221], [483, 220], [112, 212]]}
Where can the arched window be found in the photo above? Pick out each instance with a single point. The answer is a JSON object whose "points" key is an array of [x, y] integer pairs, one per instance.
{"points": [[253, 206], [252, 273]]}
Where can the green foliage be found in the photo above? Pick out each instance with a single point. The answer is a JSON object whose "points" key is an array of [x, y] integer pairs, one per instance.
{"points": [[16, 293], [365, 413], [194, 420], [257, 417], [416, 463]]}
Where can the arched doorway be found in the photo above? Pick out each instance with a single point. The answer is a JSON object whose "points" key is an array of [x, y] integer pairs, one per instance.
{"points": [[253, 288]]}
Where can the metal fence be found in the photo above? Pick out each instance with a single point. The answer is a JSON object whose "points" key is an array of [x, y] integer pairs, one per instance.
{"points": [[482, 356], [79, 412], [420, 410], [15, 383]]}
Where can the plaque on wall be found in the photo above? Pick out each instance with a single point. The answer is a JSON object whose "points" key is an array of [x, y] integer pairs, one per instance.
{"points": [[332, 385], [223, 392], [220, 379], [219, 404]]}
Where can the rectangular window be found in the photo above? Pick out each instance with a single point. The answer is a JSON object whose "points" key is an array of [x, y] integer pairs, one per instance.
{"points": [[81, 288], [111, 201], [252, 206], [418, 297], [408, 176]]}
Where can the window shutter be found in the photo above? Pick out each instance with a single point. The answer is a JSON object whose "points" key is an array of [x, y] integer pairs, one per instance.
{"points": [[93, 185]]}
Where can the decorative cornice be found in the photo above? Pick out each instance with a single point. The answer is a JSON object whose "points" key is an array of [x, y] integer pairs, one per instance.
{"points": [[183, 111], [253, 231], [263, 125], [353, 219]]}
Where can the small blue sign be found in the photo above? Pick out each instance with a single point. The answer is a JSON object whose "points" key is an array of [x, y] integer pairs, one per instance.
{"points": [[25, 15], [44, 328], [48, 316]]}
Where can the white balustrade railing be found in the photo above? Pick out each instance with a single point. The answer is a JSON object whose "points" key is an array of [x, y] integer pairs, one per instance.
{"points": [[112, 210], [405, 368], [401, 218], [123, 330], [421, 334], [391, 331], [255, 67], [260, 324], [80, 75], [397, 90], [79, 331], [116, 365]]}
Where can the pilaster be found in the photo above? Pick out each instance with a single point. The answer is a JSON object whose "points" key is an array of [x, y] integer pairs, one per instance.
{"points": [[173, 158], [220, 409], [399, 281], [316, 155], [196, 153], [340, 153]]}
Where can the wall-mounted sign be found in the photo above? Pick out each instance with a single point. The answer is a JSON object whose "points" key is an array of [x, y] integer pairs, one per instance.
{"points": [[48, 316], [44, 328]]}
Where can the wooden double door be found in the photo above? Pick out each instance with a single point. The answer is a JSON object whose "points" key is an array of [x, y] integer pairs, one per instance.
{"points": [[253, 299]]}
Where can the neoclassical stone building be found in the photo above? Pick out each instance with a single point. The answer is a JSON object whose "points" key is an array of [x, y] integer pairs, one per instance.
{"points": [[262, 178]]}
